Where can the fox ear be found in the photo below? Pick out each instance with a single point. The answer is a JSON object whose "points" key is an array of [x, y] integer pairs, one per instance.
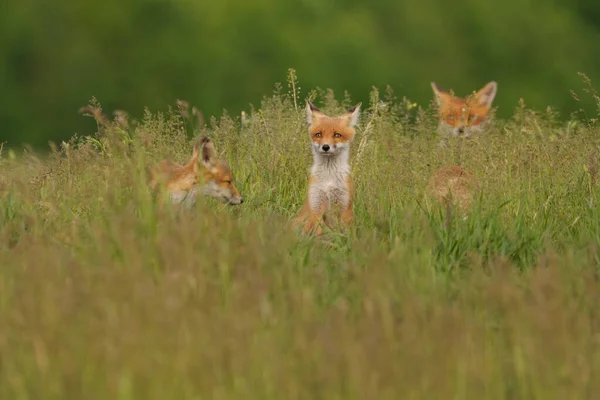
{"points": [[312, 112], [167, 166], [436, 88], [195, 157], [209, 155], [438, 92], [352, 115], [486, 95]]}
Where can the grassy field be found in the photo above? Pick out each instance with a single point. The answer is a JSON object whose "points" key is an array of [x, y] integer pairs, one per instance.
{"points": [[105, 294]]}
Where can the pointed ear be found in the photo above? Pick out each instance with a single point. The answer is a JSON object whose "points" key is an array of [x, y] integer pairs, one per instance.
{"points": [[352, 115], [195, 157], [167, 166], [438, 92], [209, 155], [486, 95], [312, 112]]}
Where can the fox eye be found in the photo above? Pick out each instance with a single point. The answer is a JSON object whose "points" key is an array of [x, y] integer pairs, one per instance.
{"points": [[337, 135], [318, 134]]}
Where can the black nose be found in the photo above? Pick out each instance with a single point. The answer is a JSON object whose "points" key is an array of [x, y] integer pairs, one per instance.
{"points": [[461, 131], [241, 200], [325, 147]]}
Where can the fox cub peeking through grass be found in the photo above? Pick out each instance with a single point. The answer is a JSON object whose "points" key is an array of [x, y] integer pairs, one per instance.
{"points": [[329, 185], [203, 173], [464, 116], [455, 186]]}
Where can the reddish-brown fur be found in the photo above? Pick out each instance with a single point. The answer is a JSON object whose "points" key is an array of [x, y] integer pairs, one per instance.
{"points": [[311, 220], [328, 127], [330, 177], [183, 179], [465, 112], [454, 184], [314, 220]]}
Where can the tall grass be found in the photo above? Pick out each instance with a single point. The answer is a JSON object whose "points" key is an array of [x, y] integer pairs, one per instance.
{"points": [[104, 293]]}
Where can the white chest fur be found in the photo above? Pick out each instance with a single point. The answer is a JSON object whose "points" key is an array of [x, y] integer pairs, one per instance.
{"points": [[329, 185]]}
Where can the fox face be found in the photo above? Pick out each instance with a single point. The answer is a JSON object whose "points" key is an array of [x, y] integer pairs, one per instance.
{"points": [[203, 173], [464, 116], [330, 135], [218, 183]]}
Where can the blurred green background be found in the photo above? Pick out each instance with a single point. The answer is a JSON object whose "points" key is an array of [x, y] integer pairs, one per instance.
{"points": [[226, 54]]}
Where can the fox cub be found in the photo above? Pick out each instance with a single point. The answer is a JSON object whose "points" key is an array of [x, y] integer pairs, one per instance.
{"points": [[464, 116], [203, 173], [454, 185], [329, 185]]}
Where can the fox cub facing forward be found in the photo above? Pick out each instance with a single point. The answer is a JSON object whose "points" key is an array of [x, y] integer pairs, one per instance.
{"points": [[454, 184], [203, 173], [462, 117], [329, 185]]}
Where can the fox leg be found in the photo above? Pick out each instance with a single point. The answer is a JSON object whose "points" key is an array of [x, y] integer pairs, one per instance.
{"points": [[314, 224], [347, 214], [310, 220], [348, 210]]}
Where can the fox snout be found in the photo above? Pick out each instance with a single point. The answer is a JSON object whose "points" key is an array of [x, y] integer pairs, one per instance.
{"points": [[461, 131], [236, 201], [226, 192], [327, 148], [223, 192]]}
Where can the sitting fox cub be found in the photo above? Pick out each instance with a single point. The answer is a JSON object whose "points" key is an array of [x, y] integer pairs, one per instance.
{"points": [[203, 173], [329, 184]]}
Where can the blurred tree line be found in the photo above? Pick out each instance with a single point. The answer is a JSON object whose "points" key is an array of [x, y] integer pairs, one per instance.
{"points": [[225, 54]]}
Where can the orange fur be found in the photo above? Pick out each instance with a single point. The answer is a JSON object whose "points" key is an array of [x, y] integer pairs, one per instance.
{"points": [[461, 116], [454, 185], [328, 127], [203, 170], [329, 184], [311, 221]]}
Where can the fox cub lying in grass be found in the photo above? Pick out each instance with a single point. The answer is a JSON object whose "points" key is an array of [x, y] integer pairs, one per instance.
{"points": [[203, 173]]}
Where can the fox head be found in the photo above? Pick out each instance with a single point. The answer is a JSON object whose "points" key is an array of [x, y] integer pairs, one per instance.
{"points": [[463, 116], [203, 172], [331, 135]]}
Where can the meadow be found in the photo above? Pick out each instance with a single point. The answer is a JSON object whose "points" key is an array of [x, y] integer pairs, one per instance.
{"points": [[106, 293]]}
